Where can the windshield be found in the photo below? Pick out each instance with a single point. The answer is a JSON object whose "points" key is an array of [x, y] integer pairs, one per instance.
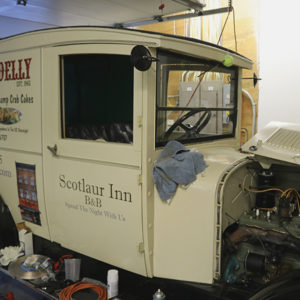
{"points": [[196, 99]]}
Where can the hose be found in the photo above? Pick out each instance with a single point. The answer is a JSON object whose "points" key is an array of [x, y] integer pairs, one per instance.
{"points": [[66, 293], [253, 110]]}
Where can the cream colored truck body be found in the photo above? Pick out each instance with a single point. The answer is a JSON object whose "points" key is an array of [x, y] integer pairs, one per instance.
{"points": [[98, 198]]}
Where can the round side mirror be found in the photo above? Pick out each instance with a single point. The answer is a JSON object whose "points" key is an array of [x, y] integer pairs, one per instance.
{"points": [[141, 58]]}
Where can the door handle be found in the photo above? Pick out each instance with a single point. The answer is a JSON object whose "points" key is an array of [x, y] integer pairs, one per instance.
{"points": [[53, 149]]}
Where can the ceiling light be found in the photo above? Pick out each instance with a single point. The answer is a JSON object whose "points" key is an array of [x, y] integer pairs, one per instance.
{"points": [[22, 2]]}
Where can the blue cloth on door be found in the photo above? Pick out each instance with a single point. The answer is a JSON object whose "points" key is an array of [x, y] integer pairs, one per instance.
{"points": [[176, 165]]}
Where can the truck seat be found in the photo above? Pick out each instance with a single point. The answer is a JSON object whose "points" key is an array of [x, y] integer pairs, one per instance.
{"points": [[113, 132]]}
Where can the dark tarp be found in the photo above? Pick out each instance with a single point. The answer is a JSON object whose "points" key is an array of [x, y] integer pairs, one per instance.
{"points": [[8, 230]]}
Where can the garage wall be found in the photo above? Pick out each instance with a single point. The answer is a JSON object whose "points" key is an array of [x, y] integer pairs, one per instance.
{"points": [[12, 26], [247, 32], [247, 23], [279, 62]]}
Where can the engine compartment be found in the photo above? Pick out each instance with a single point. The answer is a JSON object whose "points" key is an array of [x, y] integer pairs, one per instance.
{"points": [[260, 223]]}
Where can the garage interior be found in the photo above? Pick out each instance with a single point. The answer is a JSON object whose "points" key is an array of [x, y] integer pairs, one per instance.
{"points": [[256, 30]]}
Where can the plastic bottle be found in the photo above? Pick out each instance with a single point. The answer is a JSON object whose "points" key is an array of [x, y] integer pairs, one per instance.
{"points": [[159, 295], [112, 283]]}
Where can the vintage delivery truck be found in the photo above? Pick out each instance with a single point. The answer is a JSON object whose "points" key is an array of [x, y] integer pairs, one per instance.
{"points": [[85, 113]]}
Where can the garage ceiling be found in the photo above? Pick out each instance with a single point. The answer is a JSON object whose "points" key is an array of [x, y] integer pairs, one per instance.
{"points": [[91, 12]]}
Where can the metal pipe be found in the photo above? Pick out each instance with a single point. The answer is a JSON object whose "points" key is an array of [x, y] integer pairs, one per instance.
{"points": [[253, 110], [157, 19]]}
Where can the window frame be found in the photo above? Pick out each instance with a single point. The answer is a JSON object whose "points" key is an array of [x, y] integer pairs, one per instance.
{"points": [[101, 151], [161, 108]]}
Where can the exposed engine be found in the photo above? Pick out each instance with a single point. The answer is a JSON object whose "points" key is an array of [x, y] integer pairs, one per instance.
{"points": [[263, 242]]}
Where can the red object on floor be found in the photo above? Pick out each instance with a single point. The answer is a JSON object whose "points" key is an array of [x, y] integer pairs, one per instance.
{"points": [[10, 296], [60, 262]]}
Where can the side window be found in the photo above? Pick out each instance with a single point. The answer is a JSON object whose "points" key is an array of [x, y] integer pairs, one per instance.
{"points": [[97, 97]]}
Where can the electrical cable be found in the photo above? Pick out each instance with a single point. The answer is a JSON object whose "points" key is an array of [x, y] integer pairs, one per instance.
{"points": [[289, 193], [267, 208], [231, 8], [234, 30], [66, 293], [262, 191], [223, 27]]}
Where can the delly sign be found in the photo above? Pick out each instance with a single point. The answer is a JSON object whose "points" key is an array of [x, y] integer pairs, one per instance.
{"points": [[15, 69]]}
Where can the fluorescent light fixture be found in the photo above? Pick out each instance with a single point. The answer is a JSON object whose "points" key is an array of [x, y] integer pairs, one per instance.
{"points": [[22, 2]]}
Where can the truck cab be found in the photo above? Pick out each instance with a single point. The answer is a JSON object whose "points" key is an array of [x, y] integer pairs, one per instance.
{"points": [[83, 122]]}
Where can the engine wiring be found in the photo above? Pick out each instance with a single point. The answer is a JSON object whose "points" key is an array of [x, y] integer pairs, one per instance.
{"points": [[290, 194], [263, 244]]}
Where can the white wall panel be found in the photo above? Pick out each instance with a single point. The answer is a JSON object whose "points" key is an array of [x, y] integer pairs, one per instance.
{"points": [[279, 98]]}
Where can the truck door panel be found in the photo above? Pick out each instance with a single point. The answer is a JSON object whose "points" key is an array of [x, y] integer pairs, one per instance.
{"points": [[91, 173], [22, 189], [21, 177]]}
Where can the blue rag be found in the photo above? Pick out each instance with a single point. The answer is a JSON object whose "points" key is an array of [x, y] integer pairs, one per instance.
{"points": [[176, 165]]}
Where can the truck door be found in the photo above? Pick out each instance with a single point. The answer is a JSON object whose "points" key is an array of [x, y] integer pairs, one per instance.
{"points": [[92, 99]]}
